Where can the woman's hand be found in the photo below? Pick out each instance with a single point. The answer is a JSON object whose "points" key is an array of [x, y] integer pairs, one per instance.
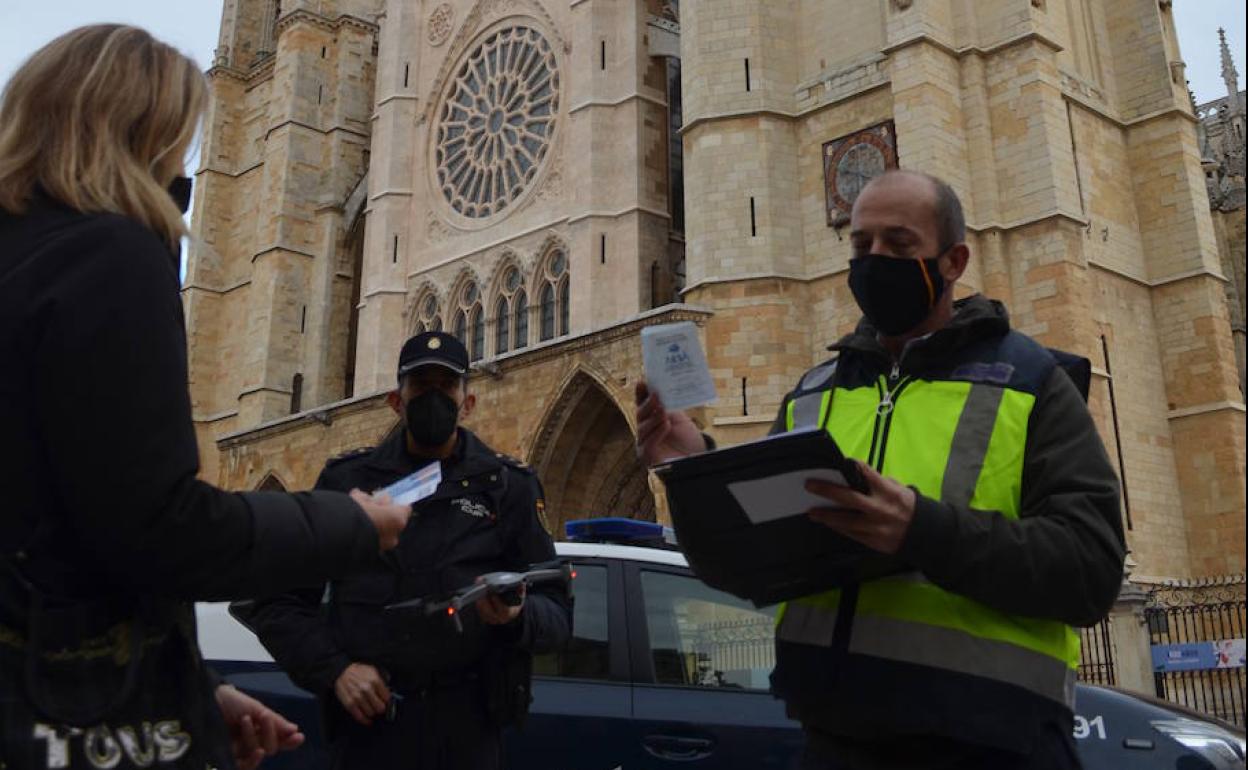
{"points": [[256, 731]]}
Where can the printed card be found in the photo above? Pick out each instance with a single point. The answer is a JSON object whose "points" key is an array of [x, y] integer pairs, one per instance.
{"points": [[415, 487], [676, 366]]}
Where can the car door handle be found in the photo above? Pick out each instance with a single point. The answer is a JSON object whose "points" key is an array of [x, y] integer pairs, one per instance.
{"points": [[678, 748]]}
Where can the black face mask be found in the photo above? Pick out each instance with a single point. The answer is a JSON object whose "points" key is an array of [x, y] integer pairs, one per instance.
{"points": [[180, 191], [431, 418], [894, 293]]}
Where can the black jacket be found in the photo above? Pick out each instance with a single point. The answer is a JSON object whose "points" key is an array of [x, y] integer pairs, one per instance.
{"points": [[484, 517], [98, 458], [1062, 558]]}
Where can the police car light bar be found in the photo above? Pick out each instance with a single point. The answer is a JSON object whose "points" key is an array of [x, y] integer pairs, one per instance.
{"points": [[617, 529]]}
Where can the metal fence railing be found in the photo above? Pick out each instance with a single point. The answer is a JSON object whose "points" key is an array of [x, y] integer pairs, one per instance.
{"points": [[1198, 649], [1096, 663]]}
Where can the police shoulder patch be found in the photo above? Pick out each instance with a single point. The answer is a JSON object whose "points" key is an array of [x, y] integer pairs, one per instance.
{"points": [[512, 462]]}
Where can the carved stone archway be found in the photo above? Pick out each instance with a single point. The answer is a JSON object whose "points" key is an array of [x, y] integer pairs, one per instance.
{"points": [[584, 453]]}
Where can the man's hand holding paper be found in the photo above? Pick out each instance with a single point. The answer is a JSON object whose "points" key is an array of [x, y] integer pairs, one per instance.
{"points": [[879, 521], [662, 435]]}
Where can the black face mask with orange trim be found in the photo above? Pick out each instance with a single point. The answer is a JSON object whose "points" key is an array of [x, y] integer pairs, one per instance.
{"points": [[895, 293]]}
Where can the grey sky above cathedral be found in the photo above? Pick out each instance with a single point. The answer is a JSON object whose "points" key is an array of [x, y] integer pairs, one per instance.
{"points": [[192, 26]]}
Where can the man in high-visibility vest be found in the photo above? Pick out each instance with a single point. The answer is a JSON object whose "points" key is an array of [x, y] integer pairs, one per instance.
{"points": [[987, 477]]}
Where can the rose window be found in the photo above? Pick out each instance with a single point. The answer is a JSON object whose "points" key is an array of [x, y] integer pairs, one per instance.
{"points": [[497, 122]]}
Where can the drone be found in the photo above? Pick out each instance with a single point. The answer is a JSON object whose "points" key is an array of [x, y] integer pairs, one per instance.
{"points": [[508, 586]]}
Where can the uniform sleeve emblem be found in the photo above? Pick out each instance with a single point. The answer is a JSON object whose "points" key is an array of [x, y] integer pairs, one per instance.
{"points": [[541, 513]]}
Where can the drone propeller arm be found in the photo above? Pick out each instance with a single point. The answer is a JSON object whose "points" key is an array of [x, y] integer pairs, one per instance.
{"points": [[470, 595], [410, 605], [548, 575]]}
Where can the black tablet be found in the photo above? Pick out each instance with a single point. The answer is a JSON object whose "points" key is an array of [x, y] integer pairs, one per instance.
{"points": [[740, 518]]}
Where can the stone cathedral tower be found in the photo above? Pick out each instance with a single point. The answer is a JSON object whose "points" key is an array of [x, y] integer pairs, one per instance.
{"points": [[273, 274], [546, 177]]}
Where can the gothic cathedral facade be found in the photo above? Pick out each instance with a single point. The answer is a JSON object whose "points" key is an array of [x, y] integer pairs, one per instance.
{"points": [[544, 178]]}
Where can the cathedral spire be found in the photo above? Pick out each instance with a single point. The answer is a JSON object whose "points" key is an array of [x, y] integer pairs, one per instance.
{"points": [[1229, 75]]}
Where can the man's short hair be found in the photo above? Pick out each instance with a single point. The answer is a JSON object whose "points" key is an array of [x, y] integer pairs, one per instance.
{"points": [[950, 221]]}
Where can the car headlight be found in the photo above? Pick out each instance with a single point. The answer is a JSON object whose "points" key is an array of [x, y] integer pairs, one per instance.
{"points": [[1222, 748]]}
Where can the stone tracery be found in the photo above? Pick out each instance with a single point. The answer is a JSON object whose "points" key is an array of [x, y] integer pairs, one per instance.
{"points": [[496, 124]]}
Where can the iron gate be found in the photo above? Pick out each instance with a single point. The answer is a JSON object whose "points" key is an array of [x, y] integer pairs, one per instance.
{"points": [[1096, 651], [1197, 633]]}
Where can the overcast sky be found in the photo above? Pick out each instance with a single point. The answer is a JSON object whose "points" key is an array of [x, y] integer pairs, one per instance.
{"points": [[192, 26]]}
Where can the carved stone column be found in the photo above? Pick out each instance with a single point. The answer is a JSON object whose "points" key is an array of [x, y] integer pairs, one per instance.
{"points": [[268, 40]]}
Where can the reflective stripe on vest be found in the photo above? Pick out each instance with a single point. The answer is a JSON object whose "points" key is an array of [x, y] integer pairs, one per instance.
{"points": [[970, 444], [934, 646], [968, 457], [807, 411]]}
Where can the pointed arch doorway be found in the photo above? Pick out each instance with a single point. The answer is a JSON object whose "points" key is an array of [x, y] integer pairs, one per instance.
{"points": [[584, 453], [270, 483]]}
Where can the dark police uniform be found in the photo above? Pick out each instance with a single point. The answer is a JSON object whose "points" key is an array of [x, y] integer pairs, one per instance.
{"points": [[452, 692]]}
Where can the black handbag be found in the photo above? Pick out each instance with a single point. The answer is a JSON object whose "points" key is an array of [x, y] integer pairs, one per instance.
{"points": [[103, 685]]}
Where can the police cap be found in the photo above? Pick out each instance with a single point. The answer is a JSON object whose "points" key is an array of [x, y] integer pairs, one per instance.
{"points": [[436, 348]]}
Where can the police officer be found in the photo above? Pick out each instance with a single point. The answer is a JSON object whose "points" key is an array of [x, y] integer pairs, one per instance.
{"points": [[987, 477], [404, 693]]}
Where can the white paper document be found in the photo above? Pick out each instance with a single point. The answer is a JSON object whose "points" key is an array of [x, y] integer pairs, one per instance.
{"points": [[415, 487], [782, 495], [676, 366]]}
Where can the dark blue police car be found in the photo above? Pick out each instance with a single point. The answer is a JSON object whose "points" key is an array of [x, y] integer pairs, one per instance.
{"points": [[665, 672]]}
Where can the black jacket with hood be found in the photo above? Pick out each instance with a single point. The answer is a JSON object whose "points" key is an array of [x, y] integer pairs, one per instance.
{"points": [[1061, 559]]}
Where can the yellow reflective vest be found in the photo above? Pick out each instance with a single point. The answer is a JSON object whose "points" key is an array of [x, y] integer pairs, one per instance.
{"points": [[900, 654]]}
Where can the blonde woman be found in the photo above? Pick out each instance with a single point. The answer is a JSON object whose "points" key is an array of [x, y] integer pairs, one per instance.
{"points": [[106, 535]]}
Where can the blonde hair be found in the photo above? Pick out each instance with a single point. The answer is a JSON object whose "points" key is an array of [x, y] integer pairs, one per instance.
{"points": [[101, 120]]}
